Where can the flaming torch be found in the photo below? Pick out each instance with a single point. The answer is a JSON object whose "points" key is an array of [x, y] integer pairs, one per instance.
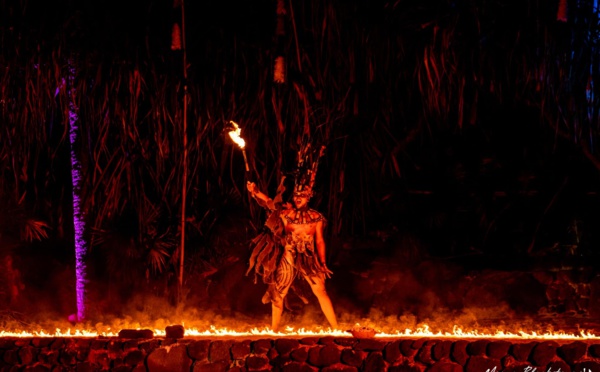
{"points": [[235, 135]]}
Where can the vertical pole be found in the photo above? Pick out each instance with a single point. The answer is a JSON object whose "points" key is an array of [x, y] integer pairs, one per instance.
{"points": [[185, 153]]}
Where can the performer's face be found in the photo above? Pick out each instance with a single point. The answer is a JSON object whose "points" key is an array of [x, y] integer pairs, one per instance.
{"points": [[300, 201]]}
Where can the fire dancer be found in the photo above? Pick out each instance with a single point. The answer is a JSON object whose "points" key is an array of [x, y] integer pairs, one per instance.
{"points": [[292, 243]]}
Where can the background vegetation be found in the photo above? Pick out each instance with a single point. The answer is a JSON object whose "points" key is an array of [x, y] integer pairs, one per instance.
{"points": [[453, 128]]}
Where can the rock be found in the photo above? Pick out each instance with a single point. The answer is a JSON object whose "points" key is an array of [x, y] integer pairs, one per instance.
{"points": [[174, 331], [346, 341], [51, 356], [522, 351], [521, 367], [322, 356], [572, 352], [88, 367], [279, 361], [425, 354], [149, 345], [7, 343], [198, 350], [219, 351], [327, 340], [374, 362], [210, 367], [57, 344], [38, 342], [339, 368], [417, 344], [11, 357], [498, 349], [27, 355], [134, 357], [286, 345], [368, 344], [298, 367], [587, 366], [446, 367], [240, 350], [407, 349], [168, 359], [442, 349], [309, 340], [353, 357], [543, 353], [481, 363], [115, 346], [300, 354], [508, 361], [168, 341], [100, 358], [256, 362], [594, 350], [459, 352], [20, 342], [391, 352], [406, 367], [478, 348], [136, 333], [272, 353], [558, 365], [68, 357], [261, 346], [37, 367]]}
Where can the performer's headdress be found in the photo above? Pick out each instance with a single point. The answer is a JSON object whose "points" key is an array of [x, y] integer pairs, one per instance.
{"points": [[308, 162]]}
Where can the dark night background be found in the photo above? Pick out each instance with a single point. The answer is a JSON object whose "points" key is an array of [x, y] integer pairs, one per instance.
{"points": [[460, 179]]}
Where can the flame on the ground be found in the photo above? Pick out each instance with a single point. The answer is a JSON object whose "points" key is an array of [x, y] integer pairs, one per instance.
{"points": [[421, 332]]}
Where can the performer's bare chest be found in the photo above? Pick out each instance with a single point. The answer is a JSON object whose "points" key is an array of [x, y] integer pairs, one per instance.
{"points": [[299, 223], [299, 229]]}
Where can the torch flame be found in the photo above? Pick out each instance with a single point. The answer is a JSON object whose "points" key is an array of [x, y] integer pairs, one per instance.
{"points": [[236, 134]]}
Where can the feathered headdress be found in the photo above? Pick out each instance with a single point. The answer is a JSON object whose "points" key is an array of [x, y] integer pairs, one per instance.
{"points": [[308, 162]]}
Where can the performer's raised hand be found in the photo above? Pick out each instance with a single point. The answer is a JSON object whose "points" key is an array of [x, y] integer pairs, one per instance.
{"points": [[251, 187]]}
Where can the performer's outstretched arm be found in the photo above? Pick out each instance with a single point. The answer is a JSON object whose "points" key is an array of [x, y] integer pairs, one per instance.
{"points": [[258, 195]]}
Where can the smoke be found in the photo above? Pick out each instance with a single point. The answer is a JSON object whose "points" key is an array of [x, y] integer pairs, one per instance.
{"points": [[387, 297], [151, 312]]}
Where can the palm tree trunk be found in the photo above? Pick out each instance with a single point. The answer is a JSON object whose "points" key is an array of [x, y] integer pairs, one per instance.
{"points": [[78, 213]]}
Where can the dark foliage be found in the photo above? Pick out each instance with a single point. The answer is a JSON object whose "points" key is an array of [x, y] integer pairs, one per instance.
{"points": [[470, 124]]}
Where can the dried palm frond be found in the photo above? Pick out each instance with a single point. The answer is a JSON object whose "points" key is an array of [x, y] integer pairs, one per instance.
{"points": [[371, 80]]}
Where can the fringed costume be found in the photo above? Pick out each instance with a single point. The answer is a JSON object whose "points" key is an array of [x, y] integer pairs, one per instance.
{"points": [[267, 247], [277, 257], [305, 259]]}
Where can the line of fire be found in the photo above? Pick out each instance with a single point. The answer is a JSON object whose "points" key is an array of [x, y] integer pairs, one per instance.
{"points": [[300, 185]]}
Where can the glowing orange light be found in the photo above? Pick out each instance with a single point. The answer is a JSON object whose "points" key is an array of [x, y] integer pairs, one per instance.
{"points": [[420, 332], [236, 136]]}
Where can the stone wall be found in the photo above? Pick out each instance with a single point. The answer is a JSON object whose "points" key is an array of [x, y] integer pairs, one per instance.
{"points": [[304, 354]]}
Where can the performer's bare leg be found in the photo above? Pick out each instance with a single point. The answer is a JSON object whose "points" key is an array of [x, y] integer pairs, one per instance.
{"points": [[276, 311], [317, 283], [285, 276]]}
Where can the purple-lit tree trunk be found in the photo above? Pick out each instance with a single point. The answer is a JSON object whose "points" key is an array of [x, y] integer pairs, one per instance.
{"points": [[78, 215]]}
